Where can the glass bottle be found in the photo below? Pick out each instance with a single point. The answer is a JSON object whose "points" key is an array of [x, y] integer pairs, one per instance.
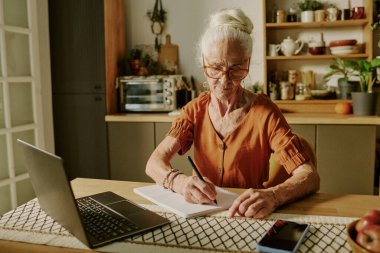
{"points": [[302, 92]]}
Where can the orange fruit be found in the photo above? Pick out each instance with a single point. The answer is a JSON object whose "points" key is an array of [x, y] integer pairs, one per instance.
{"points": [[343, 108]]}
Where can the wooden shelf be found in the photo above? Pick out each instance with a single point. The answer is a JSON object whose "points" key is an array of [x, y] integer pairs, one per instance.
{"points": [[360, 29], [308, 106], [316, 57], [339, 23]]}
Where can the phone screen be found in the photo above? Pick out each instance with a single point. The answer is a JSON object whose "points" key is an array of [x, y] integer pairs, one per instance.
{"points": [[283, 235]]}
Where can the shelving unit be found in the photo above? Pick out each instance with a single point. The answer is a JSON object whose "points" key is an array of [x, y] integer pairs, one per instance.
{"points": [[316, 57], [274, 34]]}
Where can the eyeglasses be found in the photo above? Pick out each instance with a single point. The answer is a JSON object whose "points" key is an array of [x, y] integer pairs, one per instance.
{"points": [[234, 74]]}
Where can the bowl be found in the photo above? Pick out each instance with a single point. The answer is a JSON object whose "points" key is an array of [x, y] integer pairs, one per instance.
{"points": [[317, 50], [320, 94], [351, 235], [342, 43]]}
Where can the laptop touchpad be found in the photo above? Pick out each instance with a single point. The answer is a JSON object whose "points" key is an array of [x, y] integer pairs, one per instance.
{"points": [[124, 208]]}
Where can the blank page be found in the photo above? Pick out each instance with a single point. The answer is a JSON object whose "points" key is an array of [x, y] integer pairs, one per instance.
{"points": [[176, 203]]}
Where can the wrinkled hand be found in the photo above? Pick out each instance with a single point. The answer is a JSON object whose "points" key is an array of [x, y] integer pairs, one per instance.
{"points": [[196, 191], [256, 203]]}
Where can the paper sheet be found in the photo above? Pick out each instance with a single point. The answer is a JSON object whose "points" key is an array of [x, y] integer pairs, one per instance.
{"points": [[177, 204]]}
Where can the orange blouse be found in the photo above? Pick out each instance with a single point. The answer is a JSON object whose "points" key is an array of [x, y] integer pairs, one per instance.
{"points": [[241, 159]]}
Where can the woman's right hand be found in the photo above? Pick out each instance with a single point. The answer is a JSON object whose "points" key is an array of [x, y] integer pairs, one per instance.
{"points": [[195, 190]]}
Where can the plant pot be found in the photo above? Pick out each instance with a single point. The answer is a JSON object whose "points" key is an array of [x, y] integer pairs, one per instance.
{"points": [[135, 65], [364, 103], [307, 16], [345, 88], [274, 95]]}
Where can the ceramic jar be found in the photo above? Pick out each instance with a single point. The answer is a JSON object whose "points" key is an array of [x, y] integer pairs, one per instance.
{"points": [[287, 91], [307, 16]]}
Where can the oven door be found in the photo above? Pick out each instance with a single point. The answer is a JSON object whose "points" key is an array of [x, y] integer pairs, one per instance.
{"points": [[145, 96]]}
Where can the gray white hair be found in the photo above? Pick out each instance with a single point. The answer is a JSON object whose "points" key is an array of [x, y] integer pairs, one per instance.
{"points": [[230, 24]]}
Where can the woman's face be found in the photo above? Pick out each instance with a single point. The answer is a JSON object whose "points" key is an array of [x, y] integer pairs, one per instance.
{"points": [[228, 61]]}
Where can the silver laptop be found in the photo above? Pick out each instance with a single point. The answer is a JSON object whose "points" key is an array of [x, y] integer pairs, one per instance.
{"points": [[95, 220]]}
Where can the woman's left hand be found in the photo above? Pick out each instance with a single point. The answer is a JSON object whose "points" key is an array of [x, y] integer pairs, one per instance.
{"points": [[256, 203]]}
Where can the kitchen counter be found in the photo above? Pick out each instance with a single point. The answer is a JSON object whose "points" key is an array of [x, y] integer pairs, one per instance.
{"points": [[292, 118], [342, 143]]}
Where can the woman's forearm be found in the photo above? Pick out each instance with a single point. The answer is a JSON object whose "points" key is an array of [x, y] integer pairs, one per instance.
{"points": [[304, 180], [158, 164]]}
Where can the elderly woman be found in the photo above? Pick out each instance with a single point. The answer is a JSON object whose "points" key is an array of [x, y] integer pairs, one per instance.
{"points": [[234, 131]]}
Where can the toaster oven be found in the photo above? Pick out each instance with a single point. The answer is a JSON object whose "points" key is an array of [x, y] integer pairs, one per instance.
{"points": [[148, 94]]}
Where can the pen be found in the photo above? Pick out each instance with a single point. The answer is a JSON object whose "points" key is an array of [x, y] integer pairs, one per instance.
{"points": [[197, 172]]}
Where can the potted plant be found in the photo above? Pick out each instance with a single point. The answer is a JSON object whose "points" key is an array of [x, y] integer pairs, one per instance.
{"points": [[364, 102], [307, 8], [343, 68], [134, 60]]}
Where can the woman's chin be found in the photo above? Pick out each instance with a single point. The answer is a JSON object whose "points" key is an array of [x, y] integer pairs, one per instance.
{"points": [[224, 94]]}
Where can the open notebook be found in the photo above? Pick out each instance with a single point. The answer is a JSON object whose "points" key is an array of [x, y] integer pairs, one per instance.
{"points": [[177, 204]]}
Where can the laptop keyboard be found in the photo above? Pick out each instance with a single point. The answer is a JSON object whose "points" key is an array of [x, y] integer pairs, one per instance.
{"points": [[102, 223]]}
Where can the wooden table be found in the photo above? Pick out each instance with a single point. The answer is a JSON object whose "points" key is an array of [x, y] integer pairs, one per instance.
{"points": [[316, 204]]}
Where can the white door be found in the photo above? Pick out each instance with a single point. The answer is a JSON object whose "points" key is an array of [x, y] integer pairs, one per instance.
{"points": [[21, 101]]}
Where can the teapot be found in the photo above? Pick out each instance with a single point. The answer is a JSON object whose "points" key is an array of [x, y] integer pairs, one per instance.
{"points": [[290, 47]]}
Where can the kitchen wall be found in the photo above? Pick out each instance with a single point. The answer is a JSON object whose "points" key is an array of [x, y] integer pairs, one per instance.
{"points": [[186, 22]]}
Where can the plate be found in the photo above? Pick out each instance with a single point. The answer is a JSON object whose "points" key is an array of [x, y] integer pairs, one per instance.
{"points": [[336, 43], [351, 235], [342, 47], [345, 51]]}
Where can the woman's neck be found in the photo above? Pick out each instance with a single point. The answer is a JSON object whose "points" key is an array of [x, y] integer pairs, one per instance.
{"points": [[225, 106]]}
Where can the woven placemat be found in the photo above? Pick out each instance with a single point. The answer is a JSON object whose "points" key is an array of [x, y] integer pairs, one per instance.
{"points": [[29, 223]]}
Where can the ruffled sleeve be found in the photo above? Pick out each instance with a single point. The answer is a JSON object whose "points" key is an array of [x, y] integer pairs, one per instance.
{"points": [[287, 147], [182, 130], [292, 154], [183, 126]]}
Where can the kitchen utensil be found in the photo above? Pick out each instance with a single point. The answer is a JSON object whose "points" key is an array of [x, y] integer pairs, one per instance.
{"points": [[168, 56], [342, 43], [320, 94], [319, 15], [343, 47], [273, 49], [358, 12], [317, 47], [348, 51], [291, 47], [332, 14]]}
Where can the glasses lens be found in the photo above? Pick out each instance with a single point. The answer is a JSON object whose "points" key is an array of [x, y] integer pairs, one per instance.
{"points": [[233, 74], [237, 74], [214, 72]]}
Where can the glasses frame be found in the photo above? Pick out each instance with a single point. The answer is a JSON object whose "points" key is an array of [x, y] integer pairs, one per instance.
{"points": [[225, 72]]}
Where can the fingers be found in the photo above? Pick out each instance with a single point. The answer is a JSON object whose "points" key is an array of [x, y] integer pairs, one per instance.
{"points": [[208, 188], [235, 206], [253, 203], [197, 191]]}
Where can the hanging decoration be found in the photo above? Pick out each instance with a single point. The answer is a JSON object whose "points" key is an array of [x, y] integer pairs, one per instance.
{"points": [[158, 17]]}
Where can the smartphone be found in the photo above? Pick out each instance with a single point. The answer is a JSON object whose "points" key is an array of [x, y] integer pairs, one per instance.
{"points": [[283, 237]]}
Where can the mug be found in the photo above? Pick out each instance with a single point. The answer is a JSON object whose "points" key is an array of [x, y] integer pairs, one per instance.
{"points": [[280, 16], [358, 12], [319, 15], [346, 14], [332, 14], [273, 49]]}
